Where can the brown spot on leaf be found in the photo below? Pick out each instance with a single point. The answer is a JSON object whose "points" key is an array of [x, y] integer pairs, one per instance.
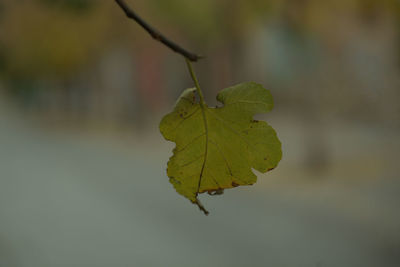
{"points": [[218, 191], [235, 184]]}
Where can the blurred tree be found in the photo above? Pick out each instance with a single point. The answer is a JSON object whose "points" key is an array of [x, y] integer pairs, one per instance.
{"points": [[60, 40], [48, 41], [53, 42], [71, 5]]}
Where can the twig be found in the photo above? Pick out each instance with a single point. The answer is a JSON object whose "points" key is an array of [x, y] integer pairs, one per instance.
{"points": [[155, 34]]}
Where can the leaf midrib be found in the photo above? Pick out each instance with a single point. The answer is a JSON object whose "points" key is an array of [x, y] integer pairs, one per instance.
{"points": [[203, 112]]}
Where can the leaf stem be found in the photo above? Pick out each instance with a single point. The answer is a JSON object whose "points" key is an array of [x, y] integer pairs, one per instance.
{"points": [[196, 83], [203, 107]]}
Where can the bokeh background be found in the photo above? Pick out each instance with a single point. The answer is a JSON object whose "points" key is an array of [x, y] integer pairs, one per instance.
{"points": [[82, 163]]}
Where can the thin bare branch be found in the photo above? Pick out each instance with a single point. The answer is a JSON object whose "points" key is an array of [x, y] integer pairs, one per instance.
{"points": [[156, 34]]}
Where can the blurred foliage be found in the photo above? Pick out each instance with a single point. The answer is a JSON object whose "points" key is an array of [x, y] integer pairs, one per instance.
{"points": [[71, 5], [57, 37], [51, 40], [207, 20], [345, 45]]}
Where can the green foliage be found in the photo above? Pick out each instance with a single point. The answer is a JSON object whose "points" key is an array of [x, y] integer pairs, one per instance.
{"points": [[189, 17], [52, 40], [70, 5], [216, 148]]}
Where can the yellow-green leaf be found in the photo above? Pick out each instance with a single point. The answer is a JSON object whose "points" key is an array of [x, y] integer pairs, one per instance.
{"points": [[216, 148]]}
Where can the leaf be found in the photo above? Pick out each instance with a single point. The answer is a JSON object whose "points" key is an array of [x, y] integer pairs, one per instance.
{"points": [[216, 148]]}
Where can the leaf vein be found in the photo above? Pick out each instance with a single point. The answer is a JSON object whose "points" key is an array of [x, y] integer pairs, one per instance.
{"points": [[223, 156], [190, 142], [234, 131], [184, 119], [191, 162]]}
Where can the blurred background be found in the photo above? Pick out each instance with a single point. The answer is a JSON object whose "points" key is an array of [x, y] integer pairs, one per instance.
{"points": [[82, 162]]}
